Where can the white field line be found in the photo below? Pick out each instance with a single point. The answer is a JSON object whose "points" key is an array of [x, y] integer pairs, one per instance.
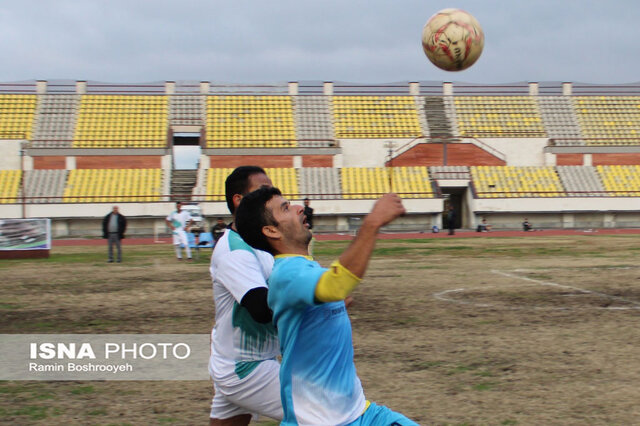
{"points": [[581, 290], [442, 294]]}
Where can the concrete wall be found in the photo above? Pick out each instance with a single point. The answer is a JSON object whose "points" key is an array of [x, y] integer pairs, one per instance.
{"points": [[156, 227], [92, 227], [80, 220], [558, 213], [74, 220], [366, 152], [521, 151], [546, 205], [10, 158], [560, 220]]}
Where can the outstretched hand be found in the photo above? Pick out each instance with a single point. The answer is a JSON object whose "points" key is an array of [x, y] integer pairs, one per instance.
{"points": [[356, 257], [386, 209]]}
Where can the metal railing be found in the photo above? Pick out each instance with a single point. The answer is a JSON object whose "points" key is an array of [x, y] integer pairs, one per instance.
{"points": [[555, 194], [606, 141]]}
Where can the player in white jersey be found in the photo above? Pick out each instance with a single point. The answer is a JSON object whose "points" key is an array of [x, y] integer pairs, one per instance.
{"points": [[179, 221], [244, 343]]}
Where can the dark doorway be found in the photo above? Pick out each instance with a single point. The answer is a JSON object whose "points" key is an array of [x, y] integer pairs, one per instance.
{"points": [[454, 197]]}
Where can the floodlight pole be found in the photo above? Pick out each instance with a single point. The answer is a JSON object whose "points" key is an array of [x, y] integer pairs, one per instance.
{"points": [[389, 146]]}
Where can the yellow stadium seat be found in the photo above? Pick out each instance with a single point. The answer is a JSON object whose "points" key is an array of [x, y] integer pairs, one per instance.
{"points": [[511, 181], [254, 121], [10, 186], [498, 116], [375, 117], [17, 114], [113, 185], [608, 120], [620, 180], [363, 182], [122, 121]]}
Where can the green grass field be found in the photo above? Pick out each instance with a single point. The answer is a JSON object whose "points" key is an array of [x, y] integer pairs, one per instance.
{"points": [[466, 331]]}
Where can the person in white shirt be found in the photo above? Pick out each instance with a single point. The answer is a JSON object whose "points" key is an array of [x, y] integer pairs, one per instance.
{"points": [[179, 221], [244, 342]]}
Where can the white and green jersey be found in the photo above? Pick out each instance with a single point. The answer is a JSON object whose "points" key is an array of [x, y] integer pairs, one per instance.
{"points": [[179, 220], [238, 343]]}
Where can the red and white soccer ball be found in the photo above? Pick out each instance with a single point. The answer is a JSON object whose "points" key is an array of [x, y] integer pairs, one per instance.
{"points": [[452, 39]]}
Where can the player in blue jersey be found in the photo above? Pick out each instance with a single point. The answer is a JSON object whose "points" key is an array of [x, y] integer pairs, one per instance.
{"points": [[318, 380]]}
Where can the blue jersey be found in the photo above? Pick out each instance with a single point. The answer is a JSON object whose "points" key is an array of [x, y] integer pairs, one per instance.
{"points": [[318, 378]]}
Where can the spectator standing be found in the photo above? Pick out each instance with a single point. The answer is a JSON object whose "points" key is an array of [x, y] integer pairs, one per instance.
{"points": [[114, 225], [308, 212], [451, 219], [217, 230]]}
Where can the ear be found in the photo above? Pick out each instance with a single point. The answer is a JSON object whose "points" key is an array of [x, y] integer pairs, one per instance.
{"points": [[271, 232], [236, 200]]}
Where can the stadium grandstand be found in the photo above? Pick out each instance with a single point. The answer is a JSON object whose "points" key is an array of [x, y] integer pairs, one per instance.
{"points": [[565, 155]]}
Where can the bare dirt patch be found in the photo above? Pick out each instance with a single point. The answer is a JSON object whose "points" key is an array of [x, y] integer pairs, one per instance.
{"points": [[551, 338]]}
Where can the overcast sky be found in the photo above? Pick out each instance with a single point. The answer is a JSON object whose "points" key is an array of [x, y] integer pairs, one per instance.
{"points": [[260, 41]]}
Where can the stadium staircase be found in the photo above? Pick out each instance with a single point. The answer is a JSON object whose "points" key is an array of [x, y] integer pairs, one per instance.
{"points": [[450, 172], [182, 184], [436, 115], [437, 118]]}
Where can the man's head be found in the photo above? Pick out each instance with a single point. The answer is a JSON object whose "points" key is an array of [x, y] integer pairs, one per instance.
{"points": [[306, 202], [242, 181], [178, 206], [267, 221], [115, 210], [220, 221]]}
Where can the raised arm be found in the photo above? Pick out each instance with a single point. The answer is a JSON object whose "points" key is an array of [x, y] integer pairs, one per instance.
{"points": [[344, 274], [356, 257]]}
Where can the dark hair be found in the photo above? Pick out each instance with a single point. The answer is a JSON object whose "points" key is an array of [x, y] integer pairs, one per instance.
{"points": [[252, 215], [238, 183]]}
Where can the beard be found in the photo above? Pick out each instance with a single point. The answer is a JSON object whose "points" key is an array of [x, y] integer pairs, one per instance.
{"points": [[296, 234], [308, 237]]}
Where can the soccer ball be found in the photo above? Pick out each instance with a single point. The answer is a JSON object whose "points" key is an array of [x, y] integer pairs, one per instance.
{"points": [[452, 39]]}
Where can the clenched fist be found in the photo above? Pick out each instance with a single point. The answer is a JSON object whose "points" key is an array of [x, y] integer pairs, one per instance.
{"points": [[386, 209]]}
